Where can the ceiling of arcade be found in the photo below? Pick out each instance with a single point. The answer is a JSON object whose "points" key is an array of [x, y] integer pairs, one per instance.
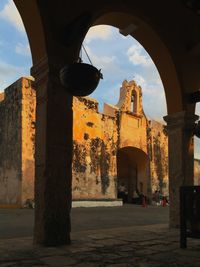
{"points": [[167, 30]]}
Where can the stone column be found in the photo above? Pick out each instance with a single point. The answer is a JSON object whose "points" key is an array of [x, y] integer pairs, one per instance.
{"points": [[180, 128], [53, 157]]}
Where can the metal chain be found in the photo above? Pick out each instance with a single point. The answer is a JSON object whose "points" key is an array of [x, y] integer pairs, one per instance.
{"points": [[87, 54]]}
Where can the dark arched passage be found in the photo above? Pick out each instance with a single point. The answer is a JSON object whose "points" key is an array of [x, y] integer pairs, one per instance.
{"points": [[133, 171]]}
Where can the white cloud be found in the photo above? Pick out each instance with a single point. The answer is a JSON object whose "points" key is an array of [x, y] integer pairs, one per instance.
{"points": [[7, 70], [140, 81], [102, 32], [108, 64], [154, 101], [111, 67], [23, 49], [137, 57], [112, 94], [147, 78], [105, 62], [10, 14], [153, 90], [9, 73]]}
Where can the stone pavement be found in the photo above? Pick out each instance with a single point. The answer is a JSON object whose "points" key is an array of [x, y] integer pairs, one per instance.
{"points": [[19, 222], [133, 246]]}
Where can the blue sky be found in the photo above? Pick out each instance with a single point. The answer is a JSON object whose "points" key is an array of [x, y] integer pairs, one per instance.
{"points": [[121, 58], [15, 58], [118, 56]]}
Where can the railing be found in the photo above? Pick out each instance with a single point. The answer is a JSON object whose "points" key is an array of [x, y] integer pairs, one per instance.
{"points": [[189, 213]]}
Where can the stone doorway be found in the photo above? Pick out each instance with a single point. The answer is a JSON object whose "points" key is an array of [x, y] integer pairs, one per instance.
{"points": [[126, 176], [132, 173]]}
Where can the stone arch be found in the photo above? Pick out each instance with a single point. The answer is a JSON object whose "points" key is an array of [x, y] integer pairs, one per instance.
{"points": [[142, 31], [156, 48], [133, 170], [34, 28], [44, 37]]}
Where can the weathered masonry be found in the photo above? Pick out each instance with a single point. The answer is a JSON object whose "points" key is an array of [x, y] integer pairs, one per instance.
{"points": [[17, 135], [117, 146]]}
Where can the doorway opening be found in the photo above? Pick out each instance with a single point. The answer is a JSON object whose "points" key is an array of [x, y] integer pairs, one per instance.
{"points": [[133, 173]]}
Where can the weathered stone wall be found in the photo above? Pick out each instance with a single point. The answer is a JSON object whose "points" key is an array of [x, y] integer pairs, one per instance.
{"points": [[28, 139], [97, 141], [95, 148], [133, 131], [158, 154], [133, 122], [10, 145], [17, 132]]}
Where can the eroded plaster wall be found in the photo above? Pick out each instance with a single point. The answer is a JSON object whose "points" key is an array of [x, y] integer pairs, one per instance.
{"points": [[10, 145], [133, 131], [17, 133], [97, 140], [95, 149], [28, 139], [158, 154]]}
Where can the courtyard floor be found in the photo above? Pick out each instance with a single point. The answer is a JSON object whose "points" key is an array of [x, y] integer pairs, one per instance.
{"points": [[125, 236]]}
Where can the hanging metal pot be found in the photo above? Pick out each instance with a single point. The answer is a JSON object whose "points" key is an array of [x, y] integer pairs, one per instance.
{"points": [[80, 79]]}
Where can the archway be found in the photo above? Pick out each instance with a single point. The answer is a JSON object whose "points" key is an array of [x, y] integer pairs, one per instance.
{"points": [[156, 48], [177, 104], [133, 171], [46, 39]]}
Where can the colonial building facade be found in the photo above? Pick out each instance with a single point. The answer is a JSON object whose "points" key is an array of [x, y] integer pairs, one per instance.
{"points": [[118, 146]]}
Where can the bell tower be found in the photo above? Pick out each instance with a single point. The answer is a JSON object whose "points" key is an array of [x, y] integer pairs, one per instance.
{"points": [[130, 98], [130, 101]]}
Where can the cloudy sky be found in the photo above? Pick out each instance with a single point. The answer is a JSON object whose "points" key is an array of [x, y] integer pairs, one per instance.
{"points": [[118, 56], [121, 58]]}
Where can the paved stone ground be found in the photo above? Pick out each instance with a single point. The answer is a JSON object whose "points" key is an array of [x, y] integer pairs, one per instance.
{"points": [[19, 222], [137, 246], [152, 245]]}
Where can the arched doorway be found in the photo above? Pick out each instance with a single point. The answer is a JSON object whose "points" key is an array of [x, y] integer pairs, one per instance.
{"points": [[133, 171]]}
